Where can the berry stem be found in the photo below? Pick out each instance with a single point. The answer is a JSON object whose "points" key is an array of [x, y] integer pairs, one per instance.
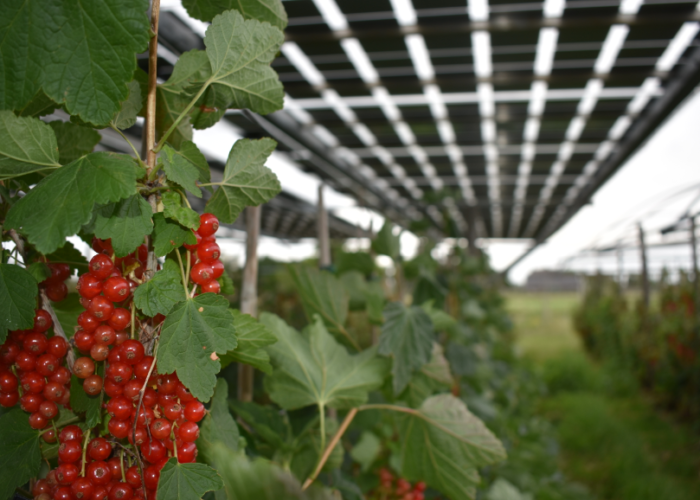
{"points": [[121, 463], [182, 270], [188, 268], [136, 153], [85, 445]]}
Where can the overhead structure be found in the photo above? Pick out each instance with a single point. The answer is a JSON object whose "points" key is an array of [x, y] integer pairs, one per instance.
{"points": [[510, 114]]}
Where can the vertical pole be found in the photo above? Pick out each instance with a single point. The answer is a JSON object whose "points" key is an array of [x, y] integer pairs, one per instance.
{"points": [[249, 294], [645, 269], [324, 244], [696, 277]]}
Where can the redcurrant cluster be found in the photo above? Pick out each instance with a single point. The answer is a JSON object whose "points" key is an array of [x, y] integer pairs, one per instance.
{"points": [[55, 286], [31, 373], [207, 268], [391, 488]]}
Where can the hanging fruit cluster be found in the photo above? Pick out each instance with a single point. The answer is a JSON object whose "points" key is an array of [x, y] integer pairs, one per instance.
{"points": [[32, 374], [152, 417], [392, 488]]}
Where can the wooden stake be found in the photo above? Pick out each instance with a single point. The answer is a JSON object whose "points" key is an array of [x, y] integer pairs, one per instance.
{"points": [[324, 244], [249, 294], [645, 270]]}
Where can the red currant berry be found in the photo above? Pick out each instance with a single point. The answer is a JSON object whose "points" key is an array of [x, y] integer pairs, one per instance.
{"points": [[212, 286], [119, 408], [83, 367], [87, 321], [49, 436], [121, 338], [82, 488], [57, 346], [101, 266], [31, 402], [42, 321], [56, 292], [115, 356], [99, 449], [61, 376], [99, 352], [183, 394], [142, 368], [100, 493], [188, 432], [208, 225], [121, 318], [32, 383], [112, 389], [201, 273], [9, 399], [105, 334], [167, 384], [208, 251], [118, 428], [192, 247], [25, 361], [172, 411], [47, 364], [41, 486], [36, 343], [101, 308], [121, 491], [54, 391], [160, 428], [37, 421], [150, 398], [99, 473], [133, 476], [70, 451], [49, 409], [138, 437], [186, 453], [59, 272], [93, 385], [218, 268], [89, 286], [145, 416], [119, 372], [8, 382], [8, 353], [150, 477], [132, 389], [63, 493], [116, 289], [132, 351], [70, 433], [153, 451], [84, 340], [194, 411]]}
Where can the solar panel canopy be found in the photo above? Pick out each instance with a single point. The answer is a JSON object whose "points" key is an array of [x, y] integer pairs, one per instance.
{"points": [[496, 118]]}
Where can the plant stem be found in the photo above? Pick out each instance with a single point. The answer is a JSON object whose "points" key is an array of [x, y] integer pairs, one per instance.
{"points": [[152, 85], [85, 445], [121, 463], [138, 157], [184, 113], [189, 266], [327, 452], [182, 270], [184, 198], [322, 425], [401, 409]]}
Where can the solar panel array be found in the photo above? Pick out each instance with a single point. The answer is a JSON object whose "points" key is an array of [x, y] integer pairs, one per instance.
{"points": [[499, 110]]}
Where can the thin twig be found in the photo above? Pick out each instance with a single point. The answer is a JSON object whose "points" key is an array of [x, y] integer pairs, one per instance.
{"points": [[152, 85], [327, 453], [136, 153]]}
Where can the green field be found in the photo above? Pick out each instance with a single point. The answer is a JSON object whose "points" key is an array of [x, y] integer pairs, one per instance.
{"points": [[612, 437]]}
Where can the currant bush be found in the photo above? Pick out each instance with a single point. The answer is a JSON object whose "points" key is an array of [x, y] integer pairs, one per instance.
{"points": [[397, 488]]}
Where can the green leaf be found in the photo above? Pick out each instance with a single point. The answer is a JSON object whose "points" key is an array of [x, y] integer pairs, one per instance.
{"points": [[98, 43], [18, 292], [433, 376], [172, 208], [501, 489], [68, 311], [169, 105], [226, 284], [160, 294], [253, 337], [441, 320], [218, 425], [61, 203], [126, 116], [267, 422], [70, 255], [259, 479], [126, 222], [408, 336], [40, 105], [21, 455], [271, 11], [82, 403], [356, 287], [73, 140], [375, 298], [308, 451], [180, 170], [443, 444], [386, 242], [39, 271], [186, 481], [313, 369], [246, 182], [323, 294], [193, 331], [354, 261], [169, 235], [26, 145], [366, 450], [191, 152], [240, 52]]}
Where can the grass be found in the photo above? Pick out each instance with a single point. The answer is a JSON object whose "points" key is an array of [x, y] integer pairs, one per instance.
{"points": [[612, 438]]}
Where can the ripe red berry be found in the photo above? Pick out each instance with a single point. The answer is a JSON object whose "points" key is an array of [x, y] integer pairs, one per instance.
{"points": [[151, 476], [121, 338], [99, 449], [30, 402], [48, 409], [41, 486], [212, 286], [119, 408], [208, 225], [132, 389], [49, 436], [116, 289], [150, 397], [59, 273], [99, 352], [208, 251], [37, 421], [42, 321], [84, 340], [118, 428], [119, 372], [133, 476], [63, 493], [32, 383], [70, 433], [9, 399], [145, 416], [8, 353], [167, 384], [8, 382], [121, 491], [160, 428], [183, 394], [99, 473], [82, 488], [101, 266], [142, 368], [46, 364], [25, 361], [120, 319], [186, 452], [35, 343], [139, 436], [132, 351], [56, 292], [188, 431], [105, 334], [112, 389], [70, 451], [61, 376], [218, 268], [153, 451], [57, 346], [100, 493], [101, 308], [89, 286], [83, 367], [87, 321], [54, 391], [92, 385], [194, 411], [201, 273]]}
